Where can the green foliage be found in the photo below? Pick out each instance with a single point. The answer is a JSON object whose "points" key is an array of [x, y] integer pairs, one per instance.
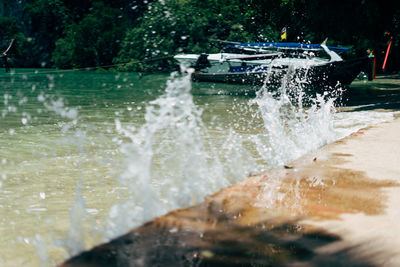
{"points": [[145, 34], [10, 30], [93, 41], [170, 27], [50, 14], [63, 53], [47, 19]]}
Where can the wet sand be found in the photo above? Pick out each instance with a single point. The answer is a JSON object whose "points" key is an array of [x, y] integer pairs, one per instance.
{"points": [[337, 206]]}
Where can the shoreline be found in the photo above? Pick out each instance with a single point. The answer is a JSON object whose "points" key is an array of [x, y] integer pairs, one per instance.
{"points": [[331, 206]]}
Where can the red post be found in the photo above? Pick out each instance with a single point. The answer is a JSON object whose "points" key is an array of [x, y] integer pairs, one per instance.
{"points": [[387, 53]]}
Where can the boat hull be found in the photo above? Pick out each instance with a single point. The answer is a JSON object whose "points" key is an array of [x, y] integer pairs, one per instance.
{"points": [[330, 74]]}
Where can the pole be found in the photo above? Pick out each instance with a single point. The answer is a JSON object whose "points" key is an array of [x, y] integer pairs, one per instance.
{"points": [[387, 53]]}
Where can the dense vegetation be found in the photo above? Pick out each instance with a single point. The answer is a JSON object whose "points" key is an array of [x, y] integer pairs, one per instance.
{"points": [[141, 34]]}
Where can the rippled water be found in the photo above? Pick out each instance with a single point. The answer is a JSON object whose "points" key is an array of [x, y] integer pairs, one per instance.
{"points": [[86, 156]]}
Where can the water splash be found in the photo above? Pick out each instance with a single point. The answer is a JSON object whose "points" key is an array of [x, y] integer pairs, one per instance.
{"points": [[74, 241], [296, 123], [169, 163]]}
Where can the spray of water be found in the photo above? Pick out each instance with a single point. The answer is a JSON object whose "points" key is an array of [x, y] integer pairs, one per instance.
{"points": [[74, 240], [295, 123], [169, 163]]}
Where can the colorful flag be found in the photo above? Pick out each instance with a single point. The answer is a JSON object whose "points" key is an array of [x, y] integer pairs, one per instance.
{"points": [[283, 34]]}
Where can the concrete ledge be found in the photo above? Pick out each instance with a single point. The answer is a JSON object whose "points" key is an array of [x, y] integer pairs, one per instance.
{"points": [[337, 206]]}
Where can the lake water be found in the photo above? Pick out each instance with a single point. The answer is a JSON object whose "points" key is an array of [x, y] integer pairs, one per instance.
{"points": [[86, 156]]}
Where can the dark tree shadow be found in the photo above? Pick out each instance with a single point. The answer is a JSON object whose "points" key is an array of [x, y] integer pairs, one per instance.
{"points": [[266, 244]]}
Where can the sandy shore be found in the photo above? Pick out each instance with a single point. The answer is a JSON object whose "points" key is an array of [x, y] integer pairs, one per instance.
{"points": [[338, 206]]}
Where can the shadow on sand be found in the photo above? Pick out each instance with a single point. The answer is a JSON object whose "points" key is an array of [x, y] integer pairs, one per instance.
{"points": [[267, 244]]}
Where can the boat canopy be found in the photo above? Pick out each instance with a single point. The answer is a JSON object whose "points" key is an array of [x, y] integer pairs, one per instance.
{"points": [[277, 45], [253, 57]]}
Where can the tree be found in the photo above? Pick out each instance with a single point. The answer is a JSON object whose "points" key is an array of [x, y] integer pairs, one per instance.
{"points": [[170, 27], [18, 53], [46, 21], [83, 33], [93, 41]]}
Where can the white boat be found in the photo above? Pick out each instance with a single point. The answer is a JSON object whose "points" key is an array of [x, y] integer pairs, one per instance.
{"points": [[321, 63], [222, 62]]}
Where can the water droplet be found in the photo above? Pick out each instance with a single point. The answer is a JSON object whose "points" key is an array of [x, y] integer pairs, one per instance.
{"points": [[207, 254]]}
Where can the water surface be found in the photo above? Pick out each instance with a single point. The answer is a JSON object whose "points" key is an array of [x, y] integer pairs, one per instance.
{"points": [[86, 156]]}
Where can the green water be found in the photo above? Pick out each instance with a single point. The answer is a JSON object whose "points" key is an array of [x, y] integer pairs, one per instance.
{"points": [[44, 158], [57, 129], [60, 150]]}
